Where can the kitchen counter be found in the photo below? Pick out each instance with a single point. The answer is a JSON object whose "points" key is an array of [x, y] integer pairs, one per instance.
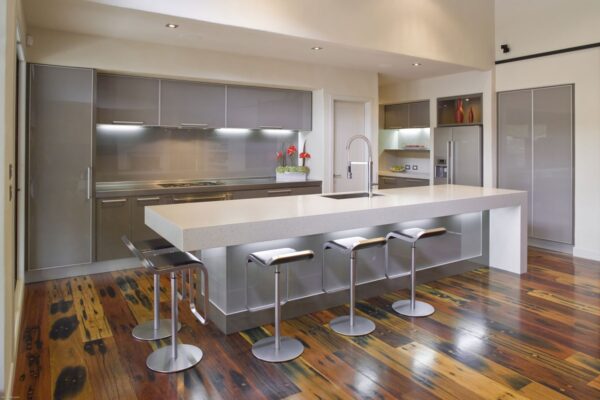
{"points": [[486, 226], [413, 175], [151, 188]]}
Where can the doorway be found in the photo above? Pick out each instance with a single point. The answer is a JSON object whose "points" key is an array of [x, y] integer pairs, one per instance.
{"points": [[349, 118]]}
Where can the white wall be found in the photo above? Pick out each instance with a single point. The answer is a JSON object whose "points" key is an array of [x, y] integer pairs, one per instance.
{"points": [[536, 26], [60, 48], [452, 85], [455, 31], [581, 68]]}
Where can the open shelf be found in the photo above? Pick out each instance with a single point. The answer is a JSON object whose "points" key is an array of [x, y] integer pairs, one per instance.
{"points": [[448, 115]]}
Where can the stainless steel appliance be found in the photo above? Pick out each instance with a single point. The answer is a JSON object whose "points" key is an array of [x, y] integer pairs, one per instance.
{"points": [[458, 155]]}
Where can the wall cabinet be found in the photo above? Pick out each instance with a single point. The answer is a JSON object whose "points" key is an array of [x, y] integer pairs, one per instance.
{"points": [[264, 108], [60, 205], [407, 115], [535, 153], [192, 104], [127, 100], [391, 182]]}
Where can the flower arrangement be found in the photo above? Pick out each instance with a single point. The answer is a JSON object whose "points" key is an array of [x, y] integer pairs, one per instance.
{"points": [[288, 168]]}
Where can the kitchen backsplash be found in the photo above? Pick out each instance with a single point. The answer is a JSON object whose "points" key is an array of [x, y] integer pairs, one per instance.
{"points": [[128, 153]]}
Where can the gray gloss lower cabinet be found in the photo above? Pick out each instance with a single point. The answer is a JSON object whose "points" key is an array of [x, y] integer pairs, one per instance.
{"points": [[392, 182], [276, 192], [139, 230], [112, 221], [256, 108], [60, 205]]}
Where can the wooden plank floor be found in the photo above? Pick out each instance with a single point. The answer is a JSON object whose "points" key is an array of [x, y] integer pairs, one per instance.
{"points": [[494, 336]]}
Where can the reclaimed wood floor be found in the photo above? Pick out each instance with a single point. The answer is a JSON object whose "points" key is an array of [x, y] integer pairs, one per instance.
{"points": [[494, 336]]}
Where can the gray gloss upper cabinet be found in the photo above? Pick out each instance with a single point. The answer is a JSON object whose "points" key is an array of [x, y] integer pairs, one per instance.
{"points": [[191, 104], [127, 100], [419, 114], [396, 116], [60, 160], [256, 108]]}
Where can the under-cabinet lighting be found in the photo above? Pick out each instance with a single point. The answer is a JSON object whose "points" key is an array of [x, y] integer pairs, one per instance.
{"points": [[233, 131], [277, 132], [114, 128]]}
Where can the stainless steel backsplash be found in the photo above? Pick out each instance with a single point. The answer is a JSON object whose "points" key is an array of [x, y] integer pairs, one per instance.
{"points": [[155, 153]]}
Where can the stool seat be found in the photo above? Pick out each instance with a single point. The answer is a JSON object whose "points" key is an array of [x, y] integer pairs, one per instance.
{"points": [[354, 243], [167, 262], [411, 235], [279, 256]]}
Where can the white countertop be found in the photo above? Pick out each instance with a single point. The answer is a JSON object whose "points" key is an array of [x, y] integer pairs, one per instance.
{"points": [[195, 226], [414, 175]]}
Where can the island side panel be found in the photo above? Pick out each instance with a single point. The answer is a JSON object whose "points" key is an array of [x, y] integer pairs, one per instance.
{"points": [[508, 238]]}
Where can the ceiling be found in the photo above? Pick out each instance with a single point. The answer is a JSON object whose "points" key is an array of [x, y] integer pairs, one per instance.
{"points": [[96, 19]]}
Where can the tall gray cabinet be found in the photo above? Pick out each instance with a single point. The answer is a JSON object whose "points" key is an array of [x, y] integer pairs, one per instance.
{"points": [[535, 153], [61, 116]]}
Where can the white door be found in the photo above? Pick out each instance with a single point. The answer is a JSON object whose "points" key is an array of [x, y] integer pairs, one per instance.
{"points": [[348, 120]]}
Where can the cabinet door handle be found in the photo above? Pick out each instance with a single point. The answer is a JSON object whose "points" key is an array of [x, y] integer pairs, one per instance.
{"points": [[203, 198], [148, 198], [88, 177], [194, 124], [414, 180], [128, 122], [270, 127], [279, 191], [389, 180], [114, 201]]}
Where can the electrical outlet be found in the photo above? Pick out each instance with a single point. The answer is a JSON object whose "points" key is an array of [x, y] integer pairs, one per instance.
{"points": [[415, 167], [407, 167]]}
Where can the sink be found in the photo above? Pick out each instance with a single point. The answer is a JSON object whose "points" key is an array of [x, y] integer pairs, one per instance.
{"points": [[342, 196]]}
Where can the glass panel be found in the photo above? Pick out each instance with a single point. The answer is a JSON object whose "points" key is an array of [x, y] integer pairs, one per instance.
{"points": [[133, 153]]}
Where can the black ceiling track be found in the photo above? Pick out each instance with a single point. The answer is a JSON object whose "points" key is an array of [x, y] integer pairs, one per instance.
{"points": [[549, 53]]}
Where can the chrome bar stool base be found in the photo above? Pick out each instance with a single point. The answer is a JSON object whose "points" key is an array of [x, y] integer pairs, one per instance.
{"points": [[162, 359], [146, 331], [362, 326], [289, 348], [421, 309]]}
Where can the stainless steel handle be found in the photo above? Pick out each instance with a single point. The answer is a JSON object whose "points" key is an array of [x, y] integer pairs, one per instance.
{"points": [[88, 177], [128, 122], [114, 201], [279, 191], [448, 162], [270, 127], [203, 198], [414, 180], [193, 124], [148, 198], [389, 180], [452, 157]]}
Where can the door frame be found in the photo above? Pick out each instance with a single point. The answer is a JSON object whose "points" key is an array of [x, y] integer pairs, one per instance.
{"points": [[330, 141]]}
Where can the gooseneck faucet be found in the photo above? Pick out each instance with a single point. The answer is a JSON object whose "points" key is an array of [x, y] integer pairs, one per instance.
{"points": [[369, 162]]}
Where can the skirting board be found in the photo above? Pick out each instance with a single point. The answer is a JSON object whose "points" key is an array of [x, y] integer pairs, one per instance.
{"points": [[46, 274], [586, 253], [231, 323]]}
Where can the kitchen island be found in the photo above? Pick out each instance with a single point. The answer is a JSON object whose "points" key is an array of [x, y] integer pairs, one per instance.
{"points": [[486, 225]]}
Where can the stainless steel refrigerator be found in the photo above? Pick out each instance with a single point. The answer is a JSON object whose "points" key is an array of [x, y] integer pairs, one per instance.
{"points": [[457, 153]]}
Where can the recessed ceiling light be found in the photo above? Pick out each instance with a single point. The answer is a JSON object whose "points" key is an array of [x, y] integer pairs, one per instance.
{"points": [[416, 64], [172, 26], [316, 48]]}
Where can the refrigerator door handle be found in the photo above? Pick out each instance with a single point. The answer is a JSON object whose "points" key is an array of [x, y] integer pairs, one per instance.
{"points": [[448, 162], [453, 158]]}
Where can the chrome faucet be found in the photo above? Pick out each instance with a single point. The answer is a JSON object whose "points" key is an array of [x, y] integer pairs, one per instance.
{"points": [[369, 162]]}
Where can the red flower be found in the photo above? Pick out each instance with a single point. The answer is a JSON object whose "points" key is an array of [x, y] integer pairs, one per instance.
{"points": [[279, 155], [304, 155], [291, 150]]}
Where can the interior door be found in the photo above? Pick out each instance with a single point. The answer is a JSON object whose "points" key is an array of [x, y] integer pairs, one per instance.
{"points": [[514, 142], [552, 200], [60, 157], [467, 165], [349, 119]]}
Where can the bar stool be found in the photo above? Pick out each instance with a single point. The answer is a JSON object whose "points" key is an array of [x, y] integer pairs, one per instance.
{"points": [[156, 328], [351, 325], [412, 307], [278, 348], [175, 357]]}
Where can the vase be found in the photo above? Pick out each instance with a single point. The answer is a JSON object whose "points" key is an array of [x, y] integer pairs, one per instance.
{"points": [[290, 176], [459, 115], [471, 116]]}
